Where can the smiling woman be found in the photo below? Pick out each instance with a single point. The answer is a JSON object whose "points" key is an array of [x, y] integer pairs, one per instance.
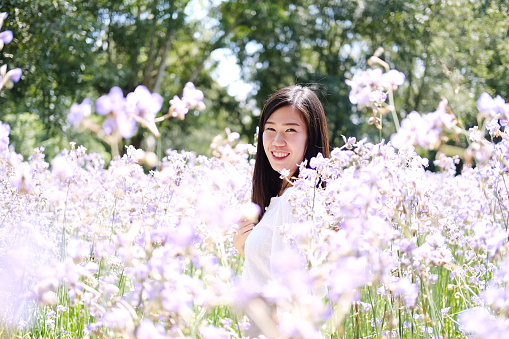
{"points": [[292, 113], [293, 130]]}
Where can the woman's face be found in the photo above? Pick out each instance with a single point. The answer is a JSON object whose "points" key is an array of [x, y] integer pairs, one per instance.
{"points": [[285, 139]]}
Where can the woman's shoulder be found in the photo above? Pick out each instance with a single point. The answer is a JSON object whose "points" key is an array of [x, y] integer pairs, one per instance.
{"points": [[286, 197], [288, 192]]}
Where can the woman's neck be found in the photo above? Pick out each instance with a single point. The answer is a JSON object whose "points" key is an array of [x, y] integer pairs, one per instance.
{"points": [[284, 186]]}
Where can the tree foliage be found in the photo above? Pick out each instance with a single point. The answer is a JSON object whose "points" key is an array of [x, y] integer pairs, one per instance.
{"points": [[70, 50], [452, 49]]}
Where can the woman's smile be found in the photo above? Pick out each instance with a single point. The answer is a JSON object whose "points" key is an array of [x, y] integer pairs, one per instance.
{"points": [[279, 155]]}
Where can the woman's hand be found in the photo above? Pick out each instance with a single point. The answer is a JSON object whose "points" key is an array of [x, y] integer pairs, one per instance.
{"points": [[239, 239]]}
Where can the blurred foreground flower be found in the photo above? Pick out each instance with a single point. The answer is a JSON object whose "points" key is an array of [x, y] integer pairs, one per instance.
{"points": [[9, 78], [423, 130], [192, 98], [6, 37], [4, 138], [368, 83], [122, 114], [493, 108], [372, 87], [79, 112]]}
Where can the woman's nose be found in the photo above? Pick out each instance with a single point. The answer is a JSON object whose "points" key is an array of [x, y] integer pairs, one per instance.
{"points": [[279, 140]]}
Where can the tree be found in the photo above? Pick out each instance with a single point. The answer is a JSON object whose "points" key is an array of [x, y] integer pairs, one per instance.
{"points": [[454, 50], [73, 50]]}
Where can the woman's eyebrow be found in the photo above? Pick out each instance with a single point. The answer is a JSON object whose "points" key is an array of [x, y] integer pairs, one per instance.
{"points": [[284, 124]]}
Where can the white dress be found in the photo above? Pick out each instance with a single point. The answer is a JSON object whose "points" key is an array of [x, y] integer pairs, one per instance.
{"points": [[265, 241]]}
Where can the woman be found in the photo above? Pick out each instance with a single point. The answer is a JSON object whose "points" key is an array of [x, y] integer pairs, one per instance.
{"points": [[292, 129]]}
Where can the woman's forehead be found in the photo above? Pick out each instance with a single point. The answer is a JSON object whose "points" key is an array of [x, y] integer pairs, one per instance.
{"points": [[286, 115]]}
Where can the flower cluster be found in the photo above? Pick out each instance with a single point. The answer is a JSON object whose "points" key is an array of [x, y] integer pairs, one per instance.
{"points": [[192, 98], [424, 130], [371, 85], [151, 254], [381, 247], [140, 252], [123, 114], [371, 88]]}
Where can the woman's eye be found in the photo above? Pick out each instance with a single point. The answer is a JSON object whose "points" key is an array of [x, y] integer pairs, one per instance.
{"points": [[269, 129], [291, 130]]}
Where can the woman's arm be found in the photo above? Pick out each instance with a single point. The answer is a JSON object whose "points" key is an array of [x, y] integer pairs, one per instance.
{"points": [[239, 239]]}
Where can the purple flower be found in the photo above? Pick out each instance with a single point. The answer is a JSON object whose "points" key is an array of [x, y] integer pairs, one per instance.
{"points": [[440, 118], [179, 107], [361, 86], [480, 323], [317, 161], [445, 310], [423, 130], [79, 112], [62, 168], [274, 291], [408, 290], [4, 137], [109, 125], [414, 130], [369, 86], [377, 96], [177, 300], [492, 126], [14, 74], [8, 79], [360, 96], [117, 318], [78, 249], [485, 102], [147, 330], [6, 36], [491, 107], [392, 77], [126, 125], [191, 96], [212, 332], [112, 102], [474, 134], [227, 322], [23, 178], [181, 236], [143, 103]]}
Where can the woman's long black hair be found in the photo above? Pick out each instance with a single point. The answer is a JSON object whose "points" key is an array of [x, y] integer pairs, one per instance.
{"points": [[266, 181]]}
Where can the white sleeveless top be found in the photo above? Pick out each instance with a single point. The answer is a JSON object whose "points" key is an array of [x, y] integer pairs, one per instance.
{"points": [[265, 241]]}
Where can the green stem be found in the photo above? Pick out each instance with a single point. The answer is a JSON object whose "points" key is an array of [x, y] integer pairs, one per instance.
{"points": [[159, 152], [62, 248], [393, 110], [113, 217]]}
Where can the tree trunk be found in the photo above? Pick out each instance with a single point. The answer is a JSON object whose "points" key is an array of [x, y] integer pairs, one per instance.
{"points": [[154, 51], [162, 66]]}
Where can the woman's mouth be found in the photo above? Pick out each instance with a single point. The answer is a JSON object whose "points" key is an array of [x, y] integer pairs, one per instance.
{"points": [[280, 155]]}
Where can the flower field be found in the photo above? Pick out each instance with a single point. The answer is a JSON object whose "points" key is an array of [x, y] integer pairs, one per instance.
{"points": [[142, 247], [392, 250]]}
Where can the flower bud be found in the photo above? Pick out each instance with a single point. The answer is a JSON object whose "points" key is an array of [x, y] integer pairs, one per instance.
{"points": [[6, 36], [151, 159]]}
